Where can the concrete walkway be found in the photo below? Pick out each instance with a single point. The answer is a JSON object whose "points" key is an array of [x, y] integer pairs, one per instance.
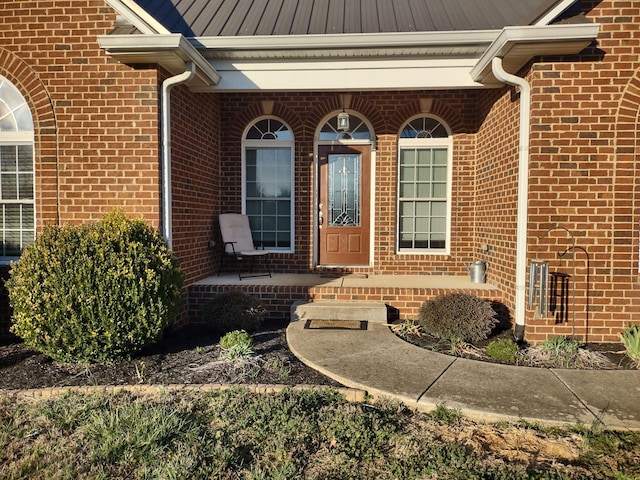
{"points": [[377, 361]]}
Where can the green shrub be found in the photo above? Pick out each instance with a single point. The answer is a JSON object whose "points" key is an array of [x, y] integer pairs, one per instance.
{"points": [[236, 337], [458, 316], [94, 292], [234, 310], [630, 337], [504, 350]]}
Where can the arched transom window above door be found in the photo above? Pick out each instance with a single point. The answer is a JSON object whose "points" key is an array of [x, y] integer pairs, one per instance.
{"points": [[17, 195], [344, 126], [424, 186], [267, 183]]}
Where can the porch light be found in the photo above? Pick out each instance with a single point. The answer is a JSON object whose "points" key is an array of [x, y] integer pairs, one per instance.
{"points": [[343, 121]]}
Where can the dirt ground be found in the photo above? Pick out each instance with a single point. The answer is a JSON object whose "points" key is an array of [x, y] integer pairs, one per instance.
{"points": [[189, 356]]}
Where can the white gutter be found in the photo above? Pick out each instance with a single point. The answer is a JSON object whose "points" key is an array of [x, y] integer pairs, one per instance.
{"points": [[167, 223], [523, 190]]}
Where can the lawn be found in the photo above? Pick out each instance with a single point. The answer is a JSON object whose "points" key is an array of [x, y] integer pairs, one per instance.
{"points": [[313, 434]]}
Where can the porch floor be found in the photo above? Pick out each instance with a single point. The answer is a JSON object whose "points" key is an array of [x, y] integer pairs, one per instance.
{"points": [[441, 282]]}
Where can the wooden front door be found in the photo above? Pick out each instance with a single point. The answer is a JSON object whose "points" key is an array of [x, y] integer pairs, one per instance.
{"points": [[344, 193]]}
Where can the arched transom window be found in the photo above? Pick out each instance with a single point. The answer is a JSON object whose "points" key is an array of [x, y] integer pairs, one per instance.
{"points": [[424, 186], [345, 126], [268, 183], [17, 204]]}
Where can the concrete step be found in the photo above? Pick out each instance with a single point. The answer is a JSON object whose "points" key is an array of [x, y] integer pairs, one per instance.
{"points": [[329, 310]]}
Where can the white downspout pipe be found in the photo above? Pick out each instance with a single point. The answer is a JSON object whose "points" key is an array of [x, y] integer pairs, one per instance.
{"points": [[167, 222], [523, 191]]}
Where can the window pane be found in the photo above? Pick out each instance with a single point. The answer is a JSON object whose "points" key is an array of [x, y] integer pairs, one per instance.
{"points": [[406, 209], [439, 209], [25, 186], [440, 190], [8, 159], [269, 183], [423, 190], [407, 190], [422, 208], [9, 187], [423, 222], [440, 156], [440, 174], [406, 226]]}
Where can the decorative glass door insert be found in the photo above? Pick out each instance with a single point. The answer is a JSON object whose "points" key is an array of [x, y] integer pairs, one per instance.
{"points": [[343, 185]]}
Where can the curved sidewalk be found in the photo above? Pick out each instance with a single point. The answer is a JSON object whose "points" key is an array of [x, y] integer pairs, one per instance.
{"points": [[377, 361]]}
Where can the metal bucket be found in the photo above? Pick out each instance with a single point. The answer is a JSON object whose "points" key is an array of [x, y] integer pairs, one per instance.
{"points": [[478, 271]]}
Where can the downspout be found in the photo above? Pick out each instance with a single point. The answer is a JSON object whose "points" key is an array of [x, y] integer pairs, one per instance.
{"points": [[167, 222], [523, 190]]}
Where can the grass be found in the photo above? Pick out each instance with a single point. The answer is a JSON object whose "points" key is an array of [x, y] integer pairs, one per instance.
{"points": [[233, 434]]}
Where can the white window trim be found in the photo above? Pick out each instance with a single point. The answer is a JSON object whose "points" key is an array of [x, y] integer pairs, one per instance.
{"points": [[426, 143], [253, 143], [13, 139]]}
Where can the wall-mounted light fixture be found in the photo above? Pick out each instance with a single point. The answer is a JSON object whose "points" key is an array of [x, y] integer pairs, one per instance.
{"points": [[343, 121]]}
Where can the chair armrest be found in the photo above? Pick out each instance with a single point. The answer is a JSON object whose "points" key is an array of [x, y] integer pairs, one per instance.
{"points": [[224, 247]]}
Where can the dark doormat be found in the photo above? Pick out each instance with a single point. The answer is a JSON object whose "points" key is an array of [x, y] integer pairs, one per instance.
{"points": [[318, 324]]}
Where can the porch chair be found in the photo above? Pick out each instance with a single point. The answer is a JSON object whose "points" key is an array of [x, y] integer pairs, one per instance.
{"points": [[238, 244]]}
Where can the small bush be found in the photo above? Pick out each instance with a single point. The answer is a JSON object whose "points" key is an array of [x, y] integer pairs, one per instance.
{"points": [[458, 316], [563, 350], [503, 350], [236, 337], [234, 310], [94, 292]]}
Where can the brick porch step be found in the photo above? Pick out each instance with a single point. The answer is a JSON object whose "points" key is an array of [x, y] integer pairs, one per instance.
{"points": [[330, 310]]}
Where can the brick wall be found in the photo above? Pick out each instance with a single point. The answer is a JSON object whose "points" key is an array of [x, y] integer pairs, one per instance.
{"points": [[387, 111], [196, 179], [96, 121]]}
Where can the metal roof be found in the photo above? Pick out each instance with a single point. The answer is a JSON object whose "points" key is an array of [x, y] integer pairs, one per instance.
{"points": [[234, 18]]}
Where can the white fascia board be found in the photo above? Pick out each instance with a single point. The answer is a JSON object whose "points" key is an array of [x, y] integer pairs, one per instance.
{"points": [[533, 35], [344, 75], [345, 41], [555, 12], [137, 16], [166, 50]]}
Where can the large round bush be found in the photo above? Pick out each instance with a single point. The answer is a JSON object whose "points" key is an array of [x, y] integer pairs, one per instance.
{"points": [[94, 292]]}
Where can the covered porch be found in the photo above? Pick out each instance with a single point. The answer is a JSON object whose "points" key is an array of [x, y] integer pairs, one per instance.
{"points": [[403, 294]]}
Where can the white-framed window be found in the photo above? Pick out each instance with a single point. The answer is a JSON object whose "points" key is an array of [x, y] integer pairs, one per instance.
{"points": [[17, 173], [424, 186], [267, 183]]}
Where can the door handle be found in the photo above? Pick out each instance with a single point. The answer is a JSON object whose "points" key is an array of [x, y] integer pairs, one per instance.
{"points": [[320, 216]]}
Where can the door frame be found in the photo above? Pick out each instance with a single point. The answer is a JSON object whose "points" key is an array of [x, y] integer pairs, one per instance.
{"points": [[316, 194]]}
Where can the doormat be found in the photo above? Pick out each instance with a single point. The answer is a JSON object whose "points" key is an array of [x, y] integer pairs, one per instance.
{"points": [[313, 324]]}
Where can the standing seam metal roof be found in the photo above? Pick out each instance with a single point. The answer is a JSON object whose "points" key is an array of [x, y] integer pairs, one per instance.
{"points": [[212, 18]]}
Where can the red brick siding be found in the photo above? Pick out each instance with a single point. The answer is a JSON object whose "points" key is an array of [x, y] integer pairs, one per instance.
{"points": [[585, 177], [96, 120], [279, 298], [387, 112], [196, 179]]}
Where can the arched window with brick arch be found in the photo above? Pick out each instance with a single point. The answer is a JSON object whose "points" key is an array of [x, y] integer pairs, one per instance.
{"points": [[267, 182], [17, 195], [424, 186]]}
